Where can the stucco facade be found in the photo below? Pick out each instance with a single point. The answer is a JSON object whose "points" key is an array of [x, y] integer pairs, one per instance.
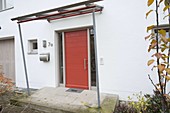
{"points": [[121, 28]]}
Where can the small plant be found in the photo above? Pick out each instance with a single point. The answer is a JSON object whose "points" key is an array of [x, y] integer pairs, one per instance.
{"points": [[154, 103], [6, 84], [141, 104]]}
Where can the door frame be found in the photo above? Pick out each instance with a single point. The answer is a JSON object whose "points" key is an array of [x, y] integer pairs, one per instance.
{"points": [[88, 52]]}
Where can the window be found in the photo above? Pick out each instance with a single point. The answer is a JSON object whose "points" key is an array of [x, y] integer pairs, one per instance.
{"points": [[161, 40], [164, 27], [6, 4], [33, 46]]}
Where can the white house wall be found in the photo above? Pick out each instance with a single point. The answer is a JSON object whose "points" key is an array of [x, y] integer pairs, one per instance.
{"points": [[121, 29]]}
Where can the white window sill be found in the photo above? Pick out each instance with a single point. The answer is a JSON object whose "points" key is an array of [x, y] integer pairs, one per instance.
{"points": [[32, 53]]}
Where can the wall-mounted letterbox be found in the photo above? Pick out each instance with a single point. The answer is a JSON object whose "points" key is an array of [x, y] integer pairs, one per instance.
{"points": [[45, 57]]}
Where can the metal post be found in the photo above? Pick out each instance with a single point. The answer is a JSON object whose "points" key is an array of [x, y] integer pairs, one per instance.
{"points": [[96, 57], [23, 55]]}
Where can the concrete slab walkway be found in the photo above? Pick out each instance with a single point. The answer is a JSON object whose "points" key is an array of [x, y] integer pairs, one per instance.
{"points": [[58, 100]]}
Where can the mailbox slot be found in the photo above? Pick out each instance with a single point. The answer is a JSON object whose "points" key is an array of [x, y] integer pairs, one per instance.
{"points": [[45, 57]]}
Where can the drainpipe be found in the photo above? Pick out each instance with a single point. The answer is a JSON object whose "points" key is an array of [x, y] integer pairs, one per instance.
{"points": [[96, 57], [24, 61]]}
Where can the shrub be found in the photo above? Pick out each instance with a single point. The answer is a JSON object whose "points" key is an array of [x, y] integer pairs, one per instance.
{"points": [[144, 104], [154, 103], [124, 108], [6, 84]]}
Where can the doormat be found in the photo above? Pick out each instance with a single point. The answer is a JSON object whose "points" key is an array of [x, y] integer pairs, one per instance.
{"points": [[74, 90]]}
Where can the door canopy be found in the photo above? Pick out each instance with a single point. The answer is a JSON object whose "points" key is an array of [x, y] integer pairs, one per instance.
{"points": [[71, 10]]}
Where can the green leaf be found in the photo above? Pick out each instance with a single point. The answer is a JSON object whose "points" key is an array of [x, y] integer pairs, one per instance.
{"points": [[147, 14], [160, 1], [150, 28], [166, 7], [151, 62], [150, 2]]}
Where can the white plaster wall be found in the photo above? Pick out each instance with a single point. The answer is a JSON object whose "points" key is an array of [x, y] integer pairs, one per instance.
{"points": [[121, 29], [121, 32]]}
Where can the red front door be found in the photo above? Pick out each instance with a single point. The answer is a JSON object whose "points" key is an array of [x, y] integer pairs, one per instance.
{"points": [[76, 59]]}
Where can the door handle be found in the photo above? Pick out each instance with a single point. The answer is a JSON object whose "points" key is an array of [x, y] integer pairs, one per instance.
{"points": [[85, 64]]}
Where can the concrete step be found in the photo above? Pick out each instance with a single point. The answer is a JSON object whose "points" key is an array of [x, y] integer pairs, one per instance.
{"points": [[58, 100]]}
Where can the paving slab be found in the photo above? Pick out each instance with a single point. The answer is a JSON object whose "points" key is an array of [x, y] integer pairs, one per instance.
{"points": [[58, 100]]}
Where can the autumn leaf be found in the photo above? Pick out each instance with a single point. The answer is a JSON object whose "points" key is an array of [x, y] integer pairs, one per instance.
{"points": [[150, 2], [164, 58], [166, 7], [149, 49], [164, 39], [150, 62], [163, 49], [153, 43], [161, 67], [167, 96], [147, 14], [164, 45], [167, 70], [168, 39], [162, 32], [147, 37], [167, 78], [150, 28], [157, 55], [160, 1]]}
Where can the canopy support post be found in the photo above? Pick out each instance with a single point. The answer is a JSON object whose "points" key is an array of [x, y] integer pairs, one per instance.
{"points": [[96, 57], [24, 61]]}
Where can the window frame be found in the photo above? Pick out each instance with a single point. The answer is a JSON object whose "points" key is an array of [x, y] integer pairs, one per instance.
{"points": [[165, 27], [31, 49], [4, 6]]}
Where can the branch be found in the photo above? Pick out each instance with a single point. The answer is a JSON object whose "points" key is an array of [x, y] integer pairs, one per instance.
{"points": [[153, 83], [168, 60]]}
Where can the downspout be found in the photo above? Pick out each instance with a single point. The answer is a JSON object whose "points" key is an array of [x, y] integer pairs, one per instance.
{"points": [[96, 57], [24, 61]]}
